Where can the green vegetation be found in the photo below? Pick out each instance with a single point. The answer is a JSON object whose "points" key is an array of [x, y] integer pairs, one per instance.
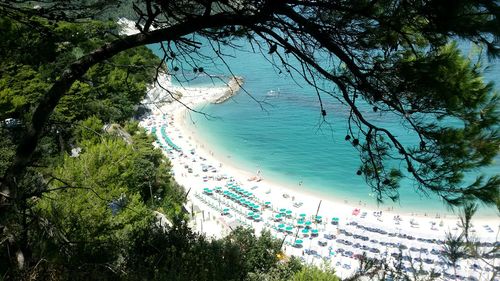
{"points": [[64, 74], [88, 213]]}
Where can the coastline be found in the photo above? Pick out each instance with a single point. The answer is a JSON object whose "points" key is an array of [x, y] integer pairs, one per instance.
{"points": [[189, 128], [195, 99], [194, 153], [330, 229]]}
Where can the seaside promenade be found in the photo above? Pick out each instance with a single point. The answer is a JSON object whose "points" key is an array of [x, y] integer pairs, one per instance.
{"points": [[318, 231]]}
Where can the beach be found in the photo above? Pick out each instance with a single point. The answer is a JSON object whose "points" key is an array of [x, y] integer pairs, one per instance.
{"points": [[222, 197]]}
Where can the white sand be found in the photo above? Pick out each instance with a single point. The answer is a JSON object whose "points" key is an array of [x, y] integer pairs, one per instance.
{"points": [[196, 153]]}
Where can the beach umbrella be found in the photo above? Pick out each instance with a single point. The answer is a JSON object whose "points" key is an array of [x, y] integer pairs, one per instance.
{"points": [[255, 206], [298, 242], [277, 217], [256, 217], [289, 212], [319, 218], [250, 214], [267, 203], [314, 231], [305, 230], [300, 222], [283, 210], [302, 215], [289, 228], [308, 223]]}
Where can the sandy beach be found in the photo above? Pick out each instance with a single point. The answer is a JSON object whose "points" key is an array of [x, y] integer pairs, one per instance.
{"points": [[316, 229]]}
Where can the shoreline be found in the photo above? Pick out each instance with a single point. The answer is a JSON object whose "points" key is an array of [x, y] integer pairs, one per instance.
{"points": [[198, 169], [188, 128], [180, 116], [219, 198], [225, 93]]}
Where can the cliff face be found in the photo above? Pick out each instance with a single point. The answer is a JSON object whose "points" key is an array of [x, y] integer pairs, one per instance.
{"points": [[234, 86]]}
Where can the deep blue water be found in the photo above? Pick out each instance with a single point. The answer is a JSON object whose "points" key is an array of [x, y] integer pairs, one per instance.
{"points": [[277, 128]]}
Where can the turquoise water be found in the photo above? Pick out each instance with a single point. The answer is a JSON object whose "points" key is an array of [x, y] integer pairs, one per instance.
{"points": [[279, 130]]}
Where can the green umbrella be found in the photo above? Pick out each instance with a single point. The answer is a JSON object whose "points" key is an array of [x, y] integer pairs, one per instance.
{"points": [[305, 230], [277, 217], [335, 219], [226, 209], [289, 212], [302, 215], [283, 210], [300, 221], [256, 216], [308, 223], [298, 241], [267, 203], [281, 225], [250, 214], [314, 231], [289, 228]]}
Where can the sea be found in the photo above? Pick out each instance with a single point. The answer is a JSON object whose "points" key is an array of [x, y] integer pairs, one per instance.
{"points": [[274, 125]]}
